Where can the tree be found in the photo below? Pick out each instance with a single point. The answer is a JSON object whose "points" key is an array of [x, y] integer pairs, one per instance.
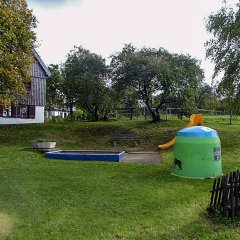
{"points": [[157, 76], [85, 81], [17, 40], [224, 50], [206, 97], [54, 92], [189, 79]]}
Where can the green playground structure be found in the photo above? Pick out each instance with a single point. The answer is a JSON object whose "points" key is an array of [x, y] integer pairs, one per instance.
{"points": [[197, 153]]}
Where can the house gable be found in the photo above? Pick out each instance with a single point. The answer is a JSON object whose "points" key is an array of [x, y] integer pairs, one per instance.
{"points": [[39, 62], [29, 108]]}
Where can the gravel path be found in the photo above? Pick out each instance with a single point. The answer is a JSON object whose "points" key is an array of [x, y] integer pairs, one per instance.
{"points": [[142, 157]]}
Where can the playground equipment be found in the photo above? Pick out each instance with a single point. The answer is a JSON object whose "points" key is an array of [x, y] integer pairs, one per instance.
{"points": [[197, 153], [194, 120]]}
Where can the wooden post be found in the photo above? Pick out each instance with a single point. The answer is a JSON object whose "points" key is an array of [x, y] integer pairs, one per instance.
{"points": [[225, 197], [236, 188], [217, 190], [231, 195], [220, 193], [213, 192], [237, 193]]}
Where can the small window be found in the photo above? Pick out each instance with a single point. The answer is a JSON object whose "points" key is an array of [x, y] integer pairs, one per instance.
{"points": [[7, 112]]}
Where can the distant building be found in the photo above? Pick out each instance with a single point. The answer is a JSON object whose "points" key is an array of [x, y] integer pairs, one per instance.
{"points": [[29, 108], [56, 113]]}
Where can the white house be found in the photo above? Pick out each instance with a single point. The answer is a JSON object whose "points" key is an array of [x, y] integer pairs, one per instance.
{"points": [[29, 108]]}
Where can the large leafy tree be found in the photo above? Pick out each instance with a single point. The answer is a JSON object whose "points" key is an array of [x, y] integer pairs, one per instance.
{"points": [[206, 97], [159, 78], [224, 50], [17, 40], [188, 79], [85, 81], [54, 92]]}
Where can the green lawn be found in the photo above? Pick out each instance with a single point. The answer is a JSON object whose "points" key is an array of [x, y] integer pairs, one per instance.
{"points": [[55, 199]]}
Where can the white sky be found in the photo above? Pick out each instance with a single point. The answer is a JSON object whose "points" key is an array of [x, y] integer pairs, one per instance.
{"points": [[104, 26]]}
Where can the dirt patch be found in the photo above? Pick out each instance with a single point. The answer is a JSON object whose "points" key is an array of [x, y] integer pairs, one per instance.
{"points": [[142, 157], [6, 225]]}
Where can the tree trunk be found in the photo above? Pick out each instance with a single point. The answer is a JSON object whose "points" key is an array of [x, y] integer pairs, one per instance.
{"points": [[144, 112], [71, 109], [131, 113], [154, 114], [96, 115], [155, 117], [157, 113], [230, 118]]}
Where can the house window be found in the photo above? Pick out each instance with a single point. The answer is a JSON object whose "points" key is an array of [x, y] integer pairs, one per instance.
{"points": [[7, 112], [23, 113], [20, 111]]}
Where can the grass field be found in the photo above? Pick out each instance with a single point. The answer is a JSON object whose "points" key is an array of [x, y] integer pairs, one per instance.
{"points": [[52, 199]]}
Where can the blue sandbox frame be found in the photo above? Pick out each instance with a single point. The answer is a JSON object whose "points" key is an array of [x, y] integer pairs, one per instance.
{"points": [[87, 155]]}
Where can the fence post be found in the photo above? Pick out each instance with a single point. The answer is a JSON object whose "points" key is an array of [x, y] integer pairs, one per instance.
{"points": [[236, 193], [225, 197], [214, 184], [220, 193], [231, 195], [217, 190]]}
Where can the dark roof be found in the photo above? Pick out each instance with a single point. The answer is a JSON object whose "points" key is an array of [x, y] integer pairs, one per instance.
{"points": [[48, 73]]}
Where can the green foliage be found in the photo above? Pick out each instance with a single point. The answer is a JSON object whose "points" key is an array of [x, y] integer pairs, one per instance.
{"points": [[17, 40], [85, 81], [187, 85], [206, 97], [157, 76], [56, 119], [54, 93], [224, 50], [78, 115]]}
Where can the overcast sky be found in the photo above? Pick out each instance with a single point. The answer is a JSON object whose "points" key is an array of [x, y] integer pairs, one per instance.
{"points": [[104, 26]]}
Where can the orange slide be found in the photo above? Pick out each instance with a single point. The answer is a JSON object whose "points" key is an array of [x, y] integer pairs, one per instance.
{"points": [[194, 120]]}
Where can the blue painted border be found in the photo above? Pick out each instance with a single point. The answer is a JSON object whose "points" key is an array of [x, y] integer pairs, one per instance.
{"points": [[103, 156], [198, 132]]}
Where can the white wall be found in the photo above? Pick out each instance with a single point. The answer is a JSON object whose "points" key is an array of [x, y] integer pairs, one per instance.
{"points": [[39, 118], [56, 113]]}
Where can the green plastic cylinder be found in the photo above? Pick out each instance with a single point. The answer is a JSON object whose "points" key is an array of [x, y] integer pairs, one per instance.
{"points": [[197, 153]]}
